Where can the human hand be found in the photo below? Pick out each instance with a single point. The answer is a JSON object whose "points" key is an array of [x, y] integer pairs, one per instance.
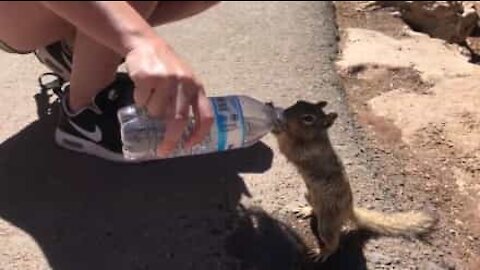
{"points": [[167, 88]]}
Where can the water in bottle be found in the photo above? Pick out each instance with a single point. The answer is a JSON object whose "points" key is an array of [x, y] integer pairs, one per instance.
{"points": [[239, 121]]}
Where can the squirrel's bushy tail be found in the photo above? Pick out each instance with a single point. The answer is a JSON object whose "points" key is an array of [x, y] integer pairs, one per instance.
{"points": [[394, 224]]}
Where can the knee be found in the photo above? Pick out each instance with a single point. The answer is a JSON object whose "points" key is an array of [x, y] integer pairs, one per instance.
{"points": [[26, 26]]}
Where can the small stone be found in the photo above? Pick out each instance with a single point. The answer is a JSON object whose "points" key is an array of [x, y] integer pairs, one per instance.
{"points": [[396, 14], [450, 265], [377, 257], [431, 266]]}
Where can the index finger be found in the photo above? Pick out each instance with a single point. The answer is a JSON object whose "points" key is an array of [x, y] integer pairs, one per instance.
{"points": [[176, 122], [203, 114], [173, 133]]}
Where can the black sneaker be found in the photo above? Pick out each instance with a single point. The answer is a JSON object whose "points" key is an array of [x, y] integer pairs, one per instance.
{"points": [[57, 57], [95, 130]]}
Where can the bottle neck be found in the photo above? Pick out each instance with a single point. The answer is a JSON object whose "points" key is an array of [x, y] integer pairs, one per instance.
{"points": [[276, 115]]}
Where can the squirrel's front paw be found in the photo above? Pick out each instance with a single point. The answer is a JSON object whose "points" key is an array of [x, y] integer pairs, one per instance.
{"points": [[303, 212]]}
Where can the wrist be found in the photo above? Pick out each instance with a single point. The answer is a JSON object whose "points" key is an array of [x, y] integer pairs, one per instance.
{"points": [[143, 40]]}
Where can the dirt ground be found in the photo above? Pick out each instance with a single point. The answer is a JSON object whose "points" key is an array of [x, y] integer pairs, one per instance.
{"points": [[421, 117]]}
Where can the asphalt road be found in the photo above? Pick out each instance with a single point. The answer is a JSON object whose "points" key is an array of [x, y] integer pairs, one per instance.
{"points": [[61, 210]]}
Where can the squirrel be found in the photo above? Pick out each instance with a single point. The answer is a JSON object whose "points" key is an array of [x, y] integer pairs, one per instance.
{"points": [[303, 139]]}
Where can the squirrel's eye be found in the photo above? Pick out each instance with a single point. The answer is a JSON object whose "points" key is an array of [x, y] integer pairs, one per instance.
{"points": [[309, 119]]}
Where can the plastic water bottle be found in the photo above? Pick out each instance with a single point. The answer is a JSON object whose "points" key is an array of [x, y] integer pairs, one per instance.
{"points": [[239, 121]]}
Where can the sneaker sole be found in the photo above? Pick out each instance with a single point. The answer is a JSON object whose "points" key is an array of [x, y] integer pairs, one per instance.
{"points": [[76, 144]]}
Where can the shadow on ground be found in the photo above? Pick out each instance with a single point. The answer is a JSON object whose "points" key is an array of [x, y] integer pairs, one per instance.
{"points": [[86, 213], [262, 242]]}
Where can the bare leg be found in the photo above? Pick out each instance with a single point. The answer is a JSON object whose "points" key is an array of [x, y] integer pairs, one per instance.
{"points": [[93, 69], [94, 65], [40, 29]]}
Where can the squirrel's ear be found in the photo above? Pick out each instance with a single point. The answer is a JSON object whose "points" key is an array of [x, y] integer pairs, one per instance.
{"points": [[322, 104], [330, 119]]}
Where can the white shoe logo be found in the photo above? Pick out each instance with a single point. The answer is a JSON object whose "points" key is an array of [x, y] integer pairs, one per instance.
{"points": [[95, 136]]}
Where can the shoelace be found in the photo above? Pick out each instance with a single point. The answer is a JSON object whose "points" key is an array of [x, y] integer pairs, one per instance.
{"points": [[55, 85], [52, 81]]}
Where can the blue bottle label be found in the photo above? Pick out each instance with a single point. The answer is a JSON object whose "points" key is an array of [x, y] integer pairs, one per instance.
{"points": [[229, 122]]}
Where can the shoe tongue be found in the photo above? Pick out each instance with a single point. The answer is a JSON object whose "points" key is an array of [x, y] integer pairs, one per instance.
{"points": [[119, 93]]}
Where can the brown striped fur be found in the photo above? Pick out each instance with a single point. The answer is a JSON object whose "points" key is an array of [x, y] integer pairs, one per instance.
{"points": [[303, 139]]}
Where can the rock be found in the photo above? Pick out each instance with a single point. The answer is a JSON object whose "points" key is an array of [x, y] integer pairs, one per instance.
{"points": [[452, 21], [375, 258], [431, 266]]}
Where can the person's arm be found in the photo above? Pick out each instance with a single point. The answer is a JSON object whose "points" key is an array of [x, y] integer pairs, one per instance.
{"points": [[115, 24], [164, 84]]}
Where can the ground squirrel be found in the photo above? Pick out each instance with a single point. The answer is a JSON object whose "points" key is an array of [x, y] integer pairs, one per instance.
{"points": [[303, 139]]}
